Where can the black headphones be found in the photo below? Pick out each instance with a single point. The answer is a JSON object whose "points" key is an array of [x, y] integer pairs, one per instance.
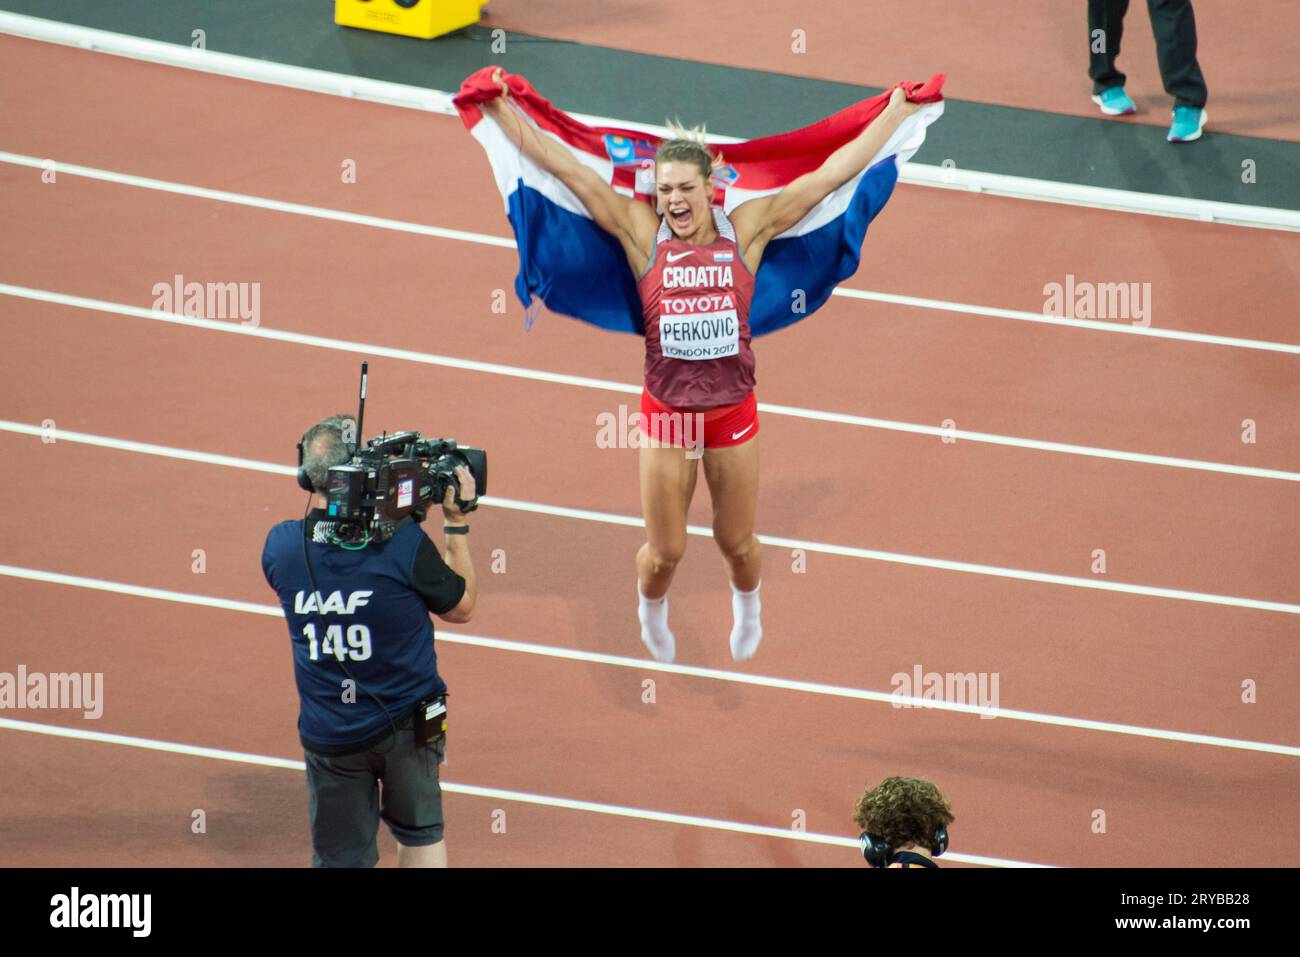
{"points": [[878, 853], [304, 481]]}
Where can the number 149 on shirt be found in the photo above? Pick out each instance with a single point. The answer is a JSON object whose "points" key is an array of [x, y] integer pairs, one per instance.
{"points": [[357, 647]]}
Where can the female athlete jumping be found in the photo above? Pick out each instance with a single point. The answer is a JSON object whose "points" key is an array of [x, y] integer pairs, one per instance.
{"points": [[695, 270]]}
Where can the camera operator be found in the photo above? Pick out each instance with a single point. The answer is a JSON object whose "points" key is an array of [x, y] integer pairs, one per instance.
{"points": [[904, 823], [365, 665]]}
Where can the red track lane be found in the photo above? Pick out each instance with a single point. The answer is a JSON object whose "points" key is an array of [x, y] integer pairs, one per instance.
{"points": [[992, 375], [521, 720], [965, 501], [1024, 53], [257, 817], [1031, 788], [1057, 650], [971, 364], [177, 125]]}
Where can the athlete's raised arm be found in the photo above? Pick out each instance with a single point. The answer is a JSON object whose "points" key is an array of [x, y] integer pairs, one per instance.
{"points": [[631, 222], [758, 220]]}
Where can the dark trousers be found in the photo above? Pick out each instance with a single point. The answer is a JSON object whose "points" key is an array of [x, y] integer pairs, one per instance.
{"points": [[1174, 25], [347, 797]]}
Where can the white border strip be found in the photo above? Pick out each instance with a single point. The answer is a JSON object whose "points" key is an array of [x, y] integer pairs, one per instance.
{"points": [[1092, 325], [629, 521], [498, 794], [436, 101], [1100, 197], [585, 382], [257, 202], [501, 242], [689, 671]]}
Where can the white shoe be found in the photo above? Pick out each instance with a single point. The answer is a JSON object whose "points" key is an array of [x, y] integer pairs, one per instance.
{"points": [[655, 633], [747, 630]]}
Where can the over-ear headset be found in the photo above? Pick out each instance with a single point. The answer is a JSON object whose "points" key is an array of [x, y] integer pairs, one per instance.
{"points": [[304, 481], [878, 853]]}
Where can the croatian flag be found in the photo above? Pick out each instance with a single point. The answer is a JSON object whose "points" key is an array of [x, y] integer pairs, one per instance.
{"points": [[579, 270]]}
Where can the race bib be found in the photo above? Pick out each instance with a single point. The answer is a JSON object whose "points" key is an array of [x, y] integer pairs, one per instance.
{"points": [[699, 327]]}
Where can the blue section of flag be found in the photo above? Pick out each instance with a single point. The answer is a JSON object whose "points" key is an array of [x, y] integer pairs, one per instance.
{"points": [[579, 270], [818, 261], [573, 265]]}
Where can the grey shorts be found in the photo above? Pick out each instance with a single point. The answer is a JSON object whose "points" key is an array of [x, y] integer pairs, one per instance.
{"points": [[347, 796]]}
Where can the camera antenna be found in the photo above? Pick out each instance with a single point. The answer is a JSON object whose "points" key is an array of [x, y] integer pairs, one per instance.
{"points": [[361, 408]]}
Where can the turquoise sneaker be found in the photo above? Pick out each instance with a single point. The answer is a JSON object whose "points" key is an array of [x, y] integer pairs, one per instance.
{"points": [[1114, 102], [1187, 125]]}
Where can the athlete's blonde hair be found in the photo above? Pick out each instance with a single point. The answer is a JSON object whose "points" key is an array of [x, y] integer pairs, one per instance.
{"points": [[688, 146]]}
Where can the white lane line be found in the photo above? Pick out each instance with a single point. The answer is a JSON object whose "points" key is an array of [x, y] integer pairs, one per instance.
{"points": [[190, 750], [691, 671], [498, 794], [610, 518], [142, 591], [1092, 325], [439, 102], [275, 205], [379, 222], [623, 388], [319, 342]]}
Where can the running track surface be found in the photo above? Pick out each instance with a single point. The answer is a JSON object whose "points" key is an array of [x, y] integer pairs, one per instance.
{"points": [[1025, 53], [544, 725]]}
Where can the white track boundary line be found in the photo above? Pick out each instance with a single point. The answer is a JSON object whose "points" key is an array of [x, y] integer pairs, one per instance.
{"points": [[379, 222], [439, 102], [538, 375], [498, 794], [610, 518], [259, 202], [1093, 325], [690, 671]]}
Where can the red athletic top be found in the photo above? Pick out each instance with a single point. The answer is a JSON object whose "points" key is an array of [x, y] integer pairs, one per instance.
{"points": [[695, 307]]}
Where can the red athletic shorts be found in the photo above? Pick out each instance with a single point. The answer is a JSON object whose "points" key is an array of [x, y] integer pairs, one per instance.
{"points": [[723, 426]]}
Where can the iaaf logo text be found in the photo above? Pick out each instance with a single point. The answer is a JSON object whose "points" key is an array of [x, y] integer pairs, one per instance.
{"points": [[210, 300], [335, 603], [924, 689], [675, 430]]}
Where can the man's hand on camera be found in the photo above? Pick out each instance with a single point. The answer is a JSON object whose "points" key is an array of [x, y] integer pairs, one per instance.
{"points": [[451, 514]]}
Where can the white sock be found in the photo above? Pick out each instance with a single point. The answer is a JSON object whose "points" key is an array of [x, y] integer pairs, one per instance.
{"points": [[653, 613], [747, 631]]}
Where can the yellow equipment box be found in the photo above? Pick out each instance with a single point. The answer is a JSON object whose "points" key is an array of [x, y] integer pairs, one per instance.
{"points": [[412, 18]]}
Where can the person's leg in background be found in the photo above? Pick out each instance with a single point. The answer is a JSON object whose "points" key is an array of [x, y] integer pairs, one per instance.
{"points": [[1174, 26], [1105, 30]]}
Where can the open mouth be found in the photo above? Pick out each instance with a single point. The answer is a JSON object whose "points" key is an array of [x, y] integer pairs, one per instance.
{"points": [[680, 216]]}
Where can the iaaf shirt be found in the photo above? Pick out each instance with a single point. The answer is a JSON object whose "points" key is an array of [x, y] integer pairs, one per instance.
{"points": [[368, 613], [695, 309]]}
